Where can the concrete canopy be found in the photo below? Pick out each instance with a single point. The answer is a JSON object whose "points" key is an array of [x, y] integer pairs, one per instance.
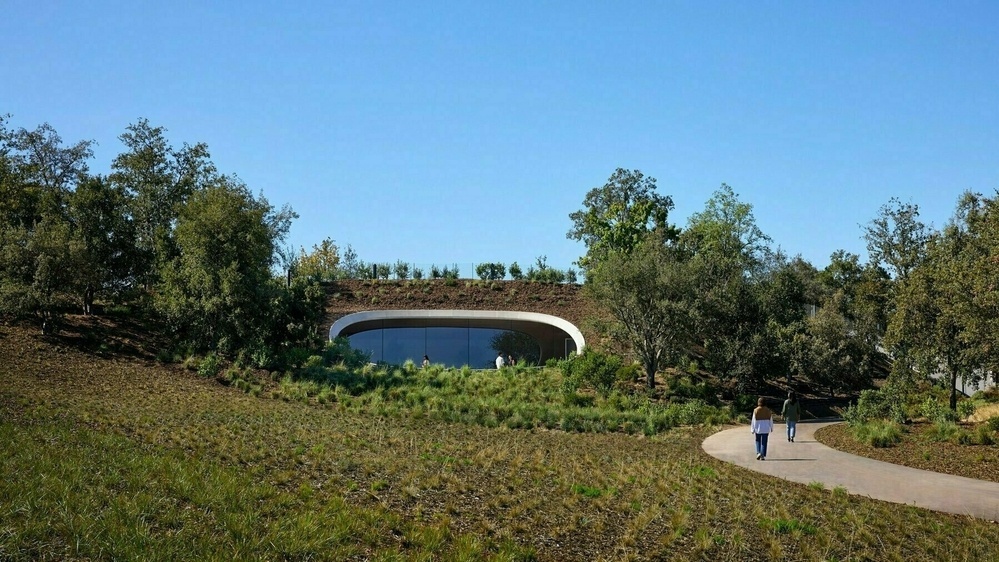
{"points": [[550, 331]]}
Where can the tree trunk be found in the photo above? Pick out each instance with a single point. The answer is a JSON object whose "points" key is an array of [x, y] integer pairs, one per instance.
{"points": [[650, 375], [953, 389], [88, 300]]}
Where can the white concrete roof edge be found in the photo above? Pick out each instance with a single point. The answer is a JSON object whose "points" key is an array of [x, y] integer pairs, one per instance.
{"points": [[538, 317]]}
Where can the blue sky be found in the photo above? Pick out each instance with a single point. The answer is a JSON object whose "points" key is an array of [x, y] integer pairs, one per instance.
{"points": [[460, 132]]}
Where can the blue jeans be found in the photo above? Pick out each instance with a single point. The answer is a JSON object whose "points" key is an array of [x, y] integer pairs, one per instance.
{"points": [[761, 443], [791, 425]]}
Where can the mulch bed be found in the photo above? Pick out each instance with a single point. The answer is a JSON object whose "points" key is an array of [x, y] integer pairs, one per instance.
{"points": [[919, 450]]}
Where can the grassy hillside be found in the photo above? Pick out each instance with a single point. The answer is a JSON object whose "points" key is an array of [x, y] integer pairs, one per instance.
{"points": [[105, 454]]}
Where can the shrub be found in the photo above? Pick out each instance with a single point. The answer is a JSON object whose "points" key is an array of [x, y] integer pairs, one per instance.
{"points": [[993, 423], [490, 271], [593, 368], [516, 272], [417, 273], [339, 351], [869, 407], [935, 411], [966, 409], [629, 373], [210, 366]]}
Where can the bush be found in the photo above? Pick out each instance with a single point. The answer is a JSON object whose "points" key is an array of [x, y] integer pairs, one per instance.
{"points": [[993, 423], [210, 366], [629, 373], [516, 272], [966, 409], [593, 368], [876, 405], [338, 351], [935, 411], [490, 271]]}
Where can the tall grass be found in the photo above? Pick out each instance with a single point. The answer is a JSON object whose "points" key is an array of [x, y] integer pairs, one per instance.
{"points": [[518, 398], [878, 434]]}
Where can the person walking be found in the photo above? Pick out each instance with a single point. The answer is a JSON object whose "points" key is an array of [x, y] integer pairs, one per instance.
{"points": [[791, 412], [761, 426], [500, 361]]}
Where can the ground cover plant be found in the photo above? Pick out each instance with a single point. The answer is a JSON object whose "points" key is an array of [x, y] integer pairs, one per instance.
{"points": [[568, 395], [114, 457]]}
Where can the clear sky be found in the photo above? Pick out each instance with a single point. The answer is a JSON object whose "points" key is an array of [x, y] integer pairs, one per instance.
{"points": [[458, 132]]}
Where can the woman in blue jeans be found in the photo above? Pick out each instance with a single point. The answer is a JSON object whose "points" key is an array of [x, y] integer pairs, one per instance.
{"points": [[761, 426]]}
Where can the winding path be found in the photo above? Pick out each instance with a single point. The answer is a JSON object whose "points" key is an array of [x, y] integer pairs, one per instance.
{"points": [[807, 461]]}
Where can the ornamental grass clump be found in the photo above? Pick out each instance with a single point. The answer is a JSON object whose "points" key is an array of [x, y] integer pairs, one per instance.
{"points": [[879, 434]]}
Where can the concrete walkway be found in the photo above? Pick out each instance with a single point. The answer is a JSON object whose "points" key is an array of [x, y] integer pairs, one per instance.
{"points": [[806, 461]]}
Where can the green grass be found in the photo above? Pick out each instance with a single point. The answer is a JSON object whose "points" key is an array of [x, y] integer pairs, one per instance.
{"points": [[879, 433], [517, 398], [107, 459], [82, 494]]}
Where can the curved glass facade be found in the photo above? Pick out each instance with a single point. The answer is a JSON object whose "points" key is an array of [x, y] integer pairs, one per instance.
{"points": [[451, 346]]}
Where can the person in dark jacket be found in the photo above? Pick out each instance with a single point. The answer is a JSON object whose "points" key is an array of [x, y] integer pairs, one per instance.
{"points": [[791, 412]]}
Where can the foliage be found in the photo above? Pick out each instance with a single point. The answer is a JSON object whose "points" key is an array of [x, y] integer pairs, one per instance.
{"points": [[215, 292], [401, 270], [872, 405], [897, 238], [878, 433], [515, 272], [966, 409], [490, 271], [593, 368], [617, 216], [339, 352], [322, 264], [210, 366], [649, 292], [934, 411]]}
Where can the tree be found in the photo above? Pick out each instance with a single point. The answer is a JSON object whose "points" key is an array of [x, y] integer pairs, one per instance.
{"points": [[617, 216], [158, 181], [730, 254], [897, 238], [105, 262], [35, 276], [980, 257], [216, 292], [37, 248], [649, 292], [322, 264], [726, 227], [934, 305], [831, 354]]}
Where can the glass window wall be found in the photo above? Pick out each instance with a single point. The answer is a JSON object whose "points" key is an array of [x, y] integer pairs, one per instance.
{"points": [[454, 347]]}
